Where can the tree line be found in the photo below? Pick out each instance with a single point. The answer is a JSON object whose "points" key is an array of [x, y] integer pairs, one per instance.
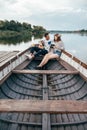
{"points": [[13, 28]]}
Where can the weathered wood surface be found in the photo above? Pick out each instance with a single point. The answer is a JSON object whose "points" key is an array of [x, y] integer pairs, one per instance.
{"points": [[45, 72], [6, 56], [45, 117], [66, 65], [43, 106]]}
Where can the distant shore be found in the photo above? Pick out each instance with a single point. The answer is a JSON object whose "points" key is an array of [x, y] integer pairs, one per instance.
{"points": [[66, 31]]}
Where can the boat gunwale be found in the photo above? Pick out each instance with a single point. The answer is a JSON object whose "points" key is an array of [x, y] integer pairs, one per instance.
{"points": [[13, 59], [80, 63], [63, 51], [75, 59]]}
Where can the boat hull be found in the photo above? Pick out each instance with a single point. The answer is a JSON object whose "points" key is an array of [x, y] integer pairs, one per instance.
{"points": [[39, 87]]}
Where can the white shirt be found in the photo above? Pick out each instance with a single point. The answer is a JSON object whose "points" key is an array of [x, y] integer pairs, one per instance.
{"points": [[47, 44], [58, 45]]}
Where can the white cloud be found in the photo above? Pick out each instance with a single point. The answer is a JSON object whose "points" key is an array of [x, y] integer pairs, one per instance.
{"points": [[43, 11]]}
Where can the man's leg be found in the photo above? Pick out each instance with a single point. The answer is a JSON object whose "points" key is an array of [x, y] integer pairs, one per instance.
{"points": [[34, 49], [41, 52]]}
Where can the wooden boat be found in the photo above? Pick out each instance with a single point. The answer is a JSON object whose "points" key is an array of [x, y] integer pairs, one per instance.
{"points": [[54, 98]]}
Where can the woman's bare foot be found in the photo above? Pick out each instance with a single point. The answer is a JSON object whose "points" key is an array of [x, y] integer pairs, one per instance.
{"points": [[39, 67]]}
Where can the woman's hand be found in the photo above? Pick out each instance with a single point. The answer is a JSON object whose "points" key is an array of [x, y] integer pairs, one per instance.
{"points": [[52, 46]]}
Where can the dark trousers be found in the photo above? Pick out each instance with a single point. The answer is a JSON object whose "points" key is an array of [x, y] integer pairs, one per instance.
{"points": [[38, 51]]}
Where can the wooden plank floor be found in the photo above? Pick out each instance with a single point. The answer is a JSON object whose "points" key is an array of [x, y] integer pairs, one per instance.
{"points": [[5, 56]]}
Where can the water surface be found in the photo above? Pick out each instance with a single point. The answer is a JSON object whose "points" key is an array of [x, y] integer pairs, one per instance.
{"points": [[75, 44]]}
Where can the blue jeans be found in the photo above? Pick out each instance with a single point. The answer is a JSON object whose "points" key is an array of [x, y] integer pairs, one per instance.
{"points": [[38, 51], [57, 52]]}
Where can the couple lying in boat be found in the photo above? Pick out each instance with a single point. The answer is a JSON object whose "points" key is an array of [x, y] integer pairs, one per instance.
{"points": [[49, 48]]}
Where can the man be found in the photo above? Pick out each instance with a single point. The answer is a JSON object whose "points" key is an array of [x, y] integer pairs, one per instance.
{"points": [[46, 43]]}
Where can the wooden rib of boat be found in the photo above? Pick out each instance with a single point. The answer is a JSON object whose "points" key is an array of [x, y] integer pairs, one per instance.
{"points": [[54, 98]]}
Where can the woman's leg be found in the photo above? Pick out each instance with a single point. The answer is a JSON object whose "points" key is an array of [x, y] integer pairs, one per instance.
{"points": [[47, 57]]}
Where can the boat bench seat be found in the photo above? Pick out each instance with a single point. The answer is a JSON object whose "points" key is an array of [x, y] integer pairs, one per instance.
{"points": [[45, 71], [43, 106]]}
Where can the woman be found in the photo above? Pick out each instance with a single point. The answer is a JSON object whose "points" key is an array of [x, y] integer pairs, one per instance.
{"points": [[58, 46]]}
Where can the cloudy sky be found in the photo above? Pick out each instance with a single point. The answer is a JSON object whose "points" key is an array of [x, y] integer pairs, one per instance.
{"points": [[52, 14]]}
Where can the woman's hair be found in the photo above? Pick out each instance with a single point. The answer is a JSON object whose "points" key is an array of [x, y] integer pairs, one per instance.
{"points": [[58, 37]]}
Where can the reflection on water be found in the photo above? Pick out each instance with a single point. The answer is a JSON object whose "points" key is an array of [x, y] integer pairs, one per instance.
{"points": [[15, 40], [74, 43], [82, 34], [19, 39]]}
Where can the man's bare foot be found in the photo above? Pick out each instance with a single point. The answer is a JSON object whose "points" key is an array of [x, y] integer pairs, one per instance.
{"points": [[30, 56]]}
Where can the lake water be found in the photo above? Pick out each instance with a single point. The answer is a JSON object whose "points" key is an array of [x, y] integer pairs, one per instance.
{"points": [[75, 44]]}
